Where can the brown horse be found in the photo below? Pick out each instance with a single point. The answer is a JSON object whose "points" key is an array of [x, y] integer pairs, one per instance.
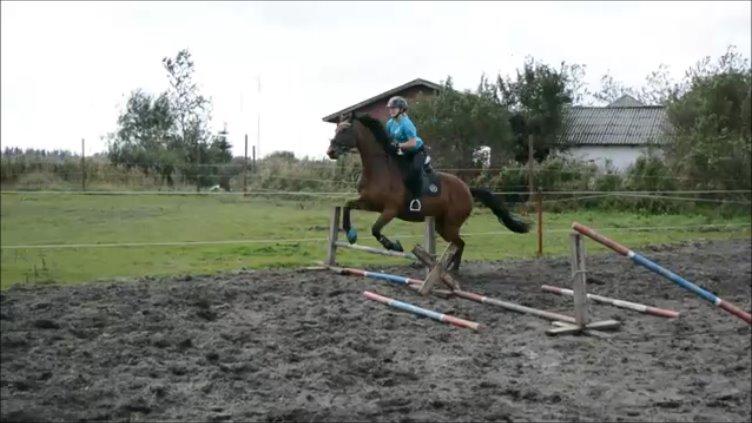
{"points": [[382, 189]]}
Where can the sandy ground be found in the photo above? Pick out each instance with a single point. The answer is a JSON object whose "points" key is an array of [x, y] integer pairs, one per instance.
{"points": [[306, 346]]}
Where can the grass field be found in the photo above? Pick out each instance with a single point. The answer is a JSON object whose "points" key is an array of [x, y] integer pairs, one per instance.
{"points": [[264, 233]]}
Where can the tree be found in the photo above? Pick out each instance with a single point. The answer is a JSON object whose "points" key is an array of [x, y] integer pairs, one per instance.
{"points": [[170, 133], [611, 90], [658, 89], [144, 137], [191, 111], [711, 146], [215, 158], [537, 99], [458, 124]]}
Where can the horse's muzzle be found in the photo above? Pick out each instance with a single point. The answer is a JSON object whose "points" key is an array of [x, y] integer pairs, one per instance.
{"points": [[332, 153]]}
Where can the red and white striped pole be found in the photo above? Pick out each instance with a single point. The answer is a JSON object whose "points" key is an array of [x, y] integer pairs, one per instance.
{"points": [[642, 308]]}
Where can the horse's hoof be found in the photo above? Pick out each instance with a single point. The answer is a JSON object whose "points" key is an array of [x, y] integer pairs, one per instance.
{"points": [[352, 236], [396, 246]]}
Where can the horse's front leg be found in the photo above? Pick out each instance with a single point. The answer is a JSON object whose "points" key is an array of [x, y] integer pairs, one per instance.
{"points": [[385, 217], [352, 234]]}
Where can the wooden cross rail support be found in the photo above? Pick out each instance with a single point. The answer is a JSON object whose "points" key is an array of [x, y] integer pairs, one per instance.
{"points": [[438, 272]]}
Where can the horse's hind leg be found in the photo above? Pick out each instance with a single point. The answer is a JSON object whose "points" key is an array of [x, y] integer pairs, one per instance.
{"points": [[385, 217], [451, 233]]}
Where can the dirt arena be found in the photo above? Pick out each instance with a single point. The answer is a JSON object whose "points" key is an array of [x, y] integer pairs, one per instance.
{"points": [[306, 346]]}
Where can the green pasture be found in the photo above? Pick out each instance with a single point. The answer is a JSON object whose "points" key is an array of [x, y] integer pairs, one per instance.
{"points": [[264, 233]]}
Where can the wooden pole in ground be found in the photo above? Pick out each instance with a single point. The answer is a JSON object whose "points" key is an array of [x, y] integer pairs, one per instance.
{"points": [[581, 320], [245, 167], [83, 164], [331, 256], [539, 205], [429, 238], [579, 285]]}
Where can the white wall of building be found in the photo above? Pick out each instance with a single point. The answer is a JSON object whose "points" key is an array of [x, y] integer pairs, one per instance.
{"points": [[621, 156]]}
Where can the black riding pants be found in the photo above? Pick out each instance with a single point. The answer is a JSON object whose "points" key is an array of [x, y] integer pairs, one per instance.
{"points": [[414, 181]]}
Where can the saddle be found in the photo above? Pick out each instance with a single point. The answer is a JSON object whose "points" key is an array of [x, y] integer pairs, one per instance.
{"points": [[431, 182]]}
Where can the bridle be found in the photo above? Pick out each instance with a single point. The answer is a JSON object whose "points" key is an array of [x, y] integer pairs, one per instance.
{"points": [[338, 147]]}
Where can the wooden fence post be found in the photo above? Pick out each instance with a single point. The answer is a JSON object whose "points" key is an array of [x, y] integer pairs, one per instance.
{"points": [[331, 256], [530, 167], [429, 237], [579, 277], [539, 204]]}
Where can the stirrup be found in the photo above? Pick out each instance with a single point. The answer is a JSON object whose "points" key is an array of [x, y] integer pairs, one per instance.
{"points": [[415, 205]]}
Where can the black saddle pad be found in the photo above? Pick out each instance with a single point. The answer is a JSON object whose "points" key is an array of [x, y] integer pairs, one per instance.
{"points": [[431, 183]]}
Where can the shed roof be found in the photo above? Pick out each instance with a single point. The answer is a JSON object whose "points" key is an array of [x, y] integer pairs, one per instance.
{"points": [[416, 82]]}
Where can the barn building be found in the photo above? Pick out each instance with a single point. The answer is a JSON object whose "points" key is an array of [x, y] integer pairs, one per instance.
{"points": [[619, 132]]}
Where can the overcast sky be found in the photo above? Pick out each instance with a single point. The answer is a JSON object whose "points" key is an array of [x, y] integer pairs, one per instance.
{"points": [[67, 68]]}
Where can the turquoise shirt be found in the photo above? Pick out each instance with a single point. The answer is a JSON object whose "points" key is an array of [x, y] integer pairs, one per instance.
{"points": [[402, 129]]}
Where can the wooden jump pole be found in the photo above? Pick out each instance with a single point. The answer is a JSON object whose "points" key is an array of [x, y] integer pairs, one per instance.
{"points": [[399, 280], [673, 277], [333, 243], [441, 317], [642, 308], [411, 283], [373, 250], [416, 283], [514, 307]]}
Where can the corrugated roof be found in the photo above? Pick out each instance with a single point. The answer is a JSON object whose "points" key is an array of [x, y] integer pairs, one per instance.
{"points": [[419, 81], [631, 125]]}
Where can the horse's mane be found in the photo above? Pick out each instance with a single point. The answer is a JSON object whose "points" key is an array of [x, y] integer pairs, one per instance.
{"points": [[376, 128]]}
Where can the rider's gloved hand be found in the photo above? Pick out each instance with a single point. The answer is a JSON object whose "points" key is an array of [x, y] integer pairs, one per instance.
{"points": [[393, 148]]}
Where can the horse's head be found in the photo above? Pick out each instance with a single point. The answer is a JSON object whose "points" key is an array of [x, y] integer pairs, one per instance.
{"points": [[344, 138]]}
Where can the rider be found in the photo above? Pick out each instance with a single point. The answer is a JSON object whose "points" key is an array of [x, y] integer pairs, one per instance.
{"points": [[405, 138]]}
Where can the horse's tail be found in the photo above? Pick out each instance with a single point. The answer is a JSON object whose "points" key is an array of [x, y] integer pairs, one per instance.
{"points": [[498, 208]]}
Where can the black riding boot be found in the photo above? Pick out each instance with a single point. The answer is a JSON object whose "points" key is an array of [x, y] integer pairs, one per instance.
{"points": [[415, 182]]}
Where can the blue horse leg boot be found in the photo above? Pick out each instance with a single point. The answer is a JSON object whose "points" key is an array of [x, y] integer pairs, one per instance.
{"points": [[352, 236]]}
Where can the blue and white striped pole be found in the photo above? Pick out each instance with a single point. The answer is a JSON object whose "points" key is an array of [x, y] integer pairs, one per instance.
{"points": [[400, 280], [673, 277]]}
